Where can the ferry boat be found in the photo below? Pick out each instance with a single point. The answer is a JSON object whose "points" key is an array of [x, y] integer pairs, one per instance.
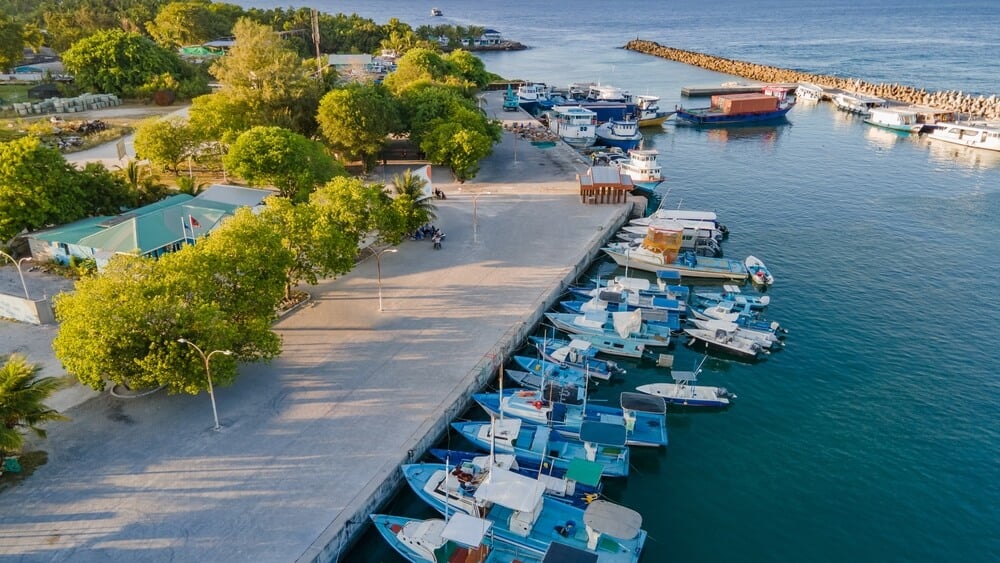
{"points": [[808, 92], [642, 167], [857, 103], [622, 134], [978, 135], [606, 93], [728, 109], [897, 119], [574, 124], [649, 112]]}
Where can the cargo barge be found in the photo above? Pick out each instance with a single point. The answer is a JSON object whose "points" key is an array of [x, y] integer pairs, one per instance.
{"points": [[728, 109]]}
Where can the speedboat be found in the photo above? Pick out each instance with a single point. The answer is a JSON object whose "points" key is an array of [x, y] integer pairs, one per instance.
{"points": [[759, 274], [728, 341], [857, 103], [978, 135], [683, 392]]}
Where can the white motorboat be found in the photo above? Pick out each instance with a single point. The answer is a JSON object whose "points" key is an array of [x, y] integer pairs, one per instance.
{"points": [[759, 273], [728, 341], [685, 263], [897, 119], [683, 392], [574, 124], [766, 339], [808, 92], [700, 240], [978, 135], [857, 103]]}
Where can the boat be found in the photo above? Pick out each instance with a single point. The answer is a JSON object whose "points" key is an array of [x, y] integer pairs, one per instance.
{"points": [[524, 516], [574, 125], [689, 216], [436, 12], [605, 344], [642, 417], [529, 96], [607, 93], [599, 442], [729, 109], [978, 135], [700, 240], [694, 228], [667, 286], [620, 325], [569, 386], [808, 92], [660, 250], [734, 294], [759, 274], [577, 353], [741, 315], [458, 479], [460, 538], [560, 370], [683, 392], [897, 119], [650, 114], [766, 338], [728, 341], [623, 134], [857, 103], [641, 165]]}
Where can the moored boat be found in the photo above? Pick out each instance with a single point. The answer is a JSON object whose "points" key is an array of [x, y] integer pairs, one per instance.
{"points": [[529, 96], [629, 326], [683, 392], [661, 250], [766, 338], [734, 294], [978, 135], [650, 114], [857, 103], [623, 134], [575, 125], [561, 370], [577, 353], [808, 92], [728, 341], [732, 109], [461, 538], [612, 345], [897, 119], [759, 274], [641, 165]]}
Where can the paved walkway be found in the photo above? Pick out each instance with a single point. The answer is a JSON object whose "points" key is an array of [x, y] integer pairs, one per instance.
{"points": [[308, 439]]}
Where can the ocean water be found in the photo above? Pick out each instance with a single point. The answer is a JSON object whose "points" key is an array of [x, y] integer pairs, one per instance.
{"points": [[874, 435]]}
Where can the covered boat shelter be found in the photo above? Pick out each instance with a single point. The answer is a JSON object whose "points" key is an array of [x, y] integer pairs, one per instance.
{"points": [[605, 184]]}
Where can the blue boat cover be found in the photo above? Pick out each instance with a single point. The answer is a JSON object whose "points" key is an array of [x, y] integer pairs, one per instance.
{"points": [[668, 275], [562, 553], [603, 433]]}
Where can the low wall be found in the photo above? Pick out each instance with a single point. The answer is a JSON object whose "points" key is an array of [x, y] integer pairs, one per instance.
{"points": [[345, 530], [36, 312], [977, 107]]}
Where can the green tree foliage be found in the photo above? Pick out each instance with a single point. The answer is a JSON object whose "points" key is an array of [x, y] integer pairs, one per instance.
{"points": [[269, 79], [37, 188], [356, 120], [425, 103], [188, 23], [411, 203], [458, 148], [118, 62], [104, 192], [165, 142], [279, 157], [417, 65], [468, 67], [22, 402], [221, 293], [11, 43], [68, 21], [220, 117]]}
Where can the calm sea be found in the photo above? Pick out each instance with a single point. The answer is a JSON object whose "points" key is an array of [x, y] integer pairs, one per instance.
{"points": [[875, 436]]}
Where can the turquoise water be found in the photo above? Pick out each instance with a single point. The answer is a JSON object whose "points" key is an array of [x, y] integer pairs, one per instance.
{"points": [[874, 435]]}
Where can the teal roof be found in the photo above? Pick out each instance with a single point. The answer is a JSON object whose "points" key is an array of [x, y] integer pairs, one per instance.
{"points": [[71, 233]]}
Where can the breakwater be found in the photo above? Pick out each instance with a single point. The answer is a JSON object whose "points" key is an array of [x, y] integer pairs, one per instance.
{"points": [[979, 107]]}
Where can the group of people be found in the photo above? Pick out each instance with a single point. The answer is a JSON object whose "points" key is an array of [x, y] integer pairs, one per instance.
{"points": [[429, 231]]}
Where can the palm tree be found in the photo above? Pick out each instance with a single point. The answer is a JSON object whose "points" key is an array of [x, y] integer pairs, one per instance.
{"points": [[411, 187], [22, 397]]}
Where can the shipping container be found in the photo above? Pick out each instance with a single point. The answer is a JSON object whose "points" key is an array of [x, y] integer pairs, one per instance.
{"points": [[744, 103]]}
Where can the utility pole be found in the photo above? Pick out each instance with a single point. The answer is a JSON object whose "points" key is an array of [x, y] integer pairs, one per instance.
{"points": [[315, 24]]}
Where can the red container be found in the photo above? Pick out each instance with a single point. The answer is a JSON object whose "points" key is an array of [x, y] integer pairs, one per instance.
{"points": [[744, 103]]}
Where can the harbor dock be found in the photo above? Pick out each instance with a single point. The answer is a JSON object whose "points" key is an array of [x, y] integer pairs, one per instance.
{"points": [[312, 442], [705, 91]]}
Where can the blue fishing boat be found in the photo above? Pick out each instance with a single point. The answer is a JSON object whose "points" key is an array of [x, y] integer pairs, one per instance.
{"points": [[555, 370], [623, 134], [742, 316], [524, 516], [667, 285], [629, 326], [733, 109], [611, 345], [433, 482], [642, 416], [577, 353], [564, 384], [599, 442], [460, 538], [733, 294], [661, 310]]}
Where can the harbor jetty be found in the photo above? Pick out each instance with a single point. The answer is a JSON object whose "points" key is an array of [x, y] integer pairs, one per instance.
{"points": [[978, 107]]}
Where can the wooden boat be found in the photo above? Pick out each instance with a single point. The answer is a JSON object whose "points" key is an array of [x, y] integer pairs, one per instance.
{"points": [[642, 417], [683, 392], [759, 274], [978, 135], [897, 119]]}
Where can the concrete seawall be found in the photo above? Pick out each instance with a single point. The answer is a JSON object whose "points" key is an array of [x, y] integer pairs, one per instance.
{"points": [[977, 107]]}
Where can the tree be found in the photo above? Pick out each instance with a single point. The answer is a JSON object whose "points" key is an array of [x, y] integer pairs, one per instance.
{"points": [[22, 402], [104, 192], [469, 67], [426, 103], [220, 117], [355, 121], [415, 66], [117, 62], [188, 23], [458, 148], [221, 293], [11, 43], [411, 203], [165, 142], [37, 188], [290, 162]]}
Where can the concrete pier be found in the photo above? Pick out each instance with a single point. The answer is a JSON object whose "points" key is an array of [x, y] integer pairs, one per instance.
{"points": [[312, 443]]}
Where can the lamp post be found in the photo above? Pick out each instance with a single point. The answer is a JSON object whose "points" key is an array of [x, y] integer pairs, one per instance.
{"points": [[475, 216], [20, 274], [378, 270], [208, 374]]}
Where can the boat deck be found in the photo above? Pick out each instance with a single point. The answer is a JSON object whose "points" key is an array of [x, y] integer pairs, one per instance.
{"points": [[706, 91]]}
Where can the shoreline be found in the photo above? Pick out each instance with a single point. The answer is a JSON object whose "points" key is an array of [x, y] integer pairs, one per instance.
{"points": [[979, 107]]}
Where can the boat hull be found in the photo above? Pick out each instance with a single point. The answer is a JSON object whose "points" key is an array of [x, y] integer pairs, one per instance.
{"points": [[708, 117], [894, 127], [707, 397]]}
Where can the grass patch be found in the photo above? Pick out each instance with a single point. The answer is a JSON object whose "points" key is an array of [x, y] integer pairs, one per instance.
{"points": [[29, 462], [13, 93]]}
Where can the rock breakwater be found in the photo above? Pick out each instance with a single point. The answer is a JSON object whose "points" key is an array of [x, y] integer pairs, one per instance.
{"points": [[975, 107]]}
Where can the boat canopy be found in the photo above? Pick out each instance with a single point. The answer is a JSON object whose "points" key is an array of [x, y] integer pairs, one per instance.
{"points": [[562, 553], [613, 519], [641, 402], [504, 461], [603, 433], [637, 284], [685, 376], [511, 490], [627, 322], [466, 530], [668, 276], [584, 471]]}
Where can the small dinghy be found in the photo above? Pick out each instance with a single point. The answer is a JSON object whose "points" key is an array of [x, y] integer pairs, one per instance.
{"points": [[759, 274]]}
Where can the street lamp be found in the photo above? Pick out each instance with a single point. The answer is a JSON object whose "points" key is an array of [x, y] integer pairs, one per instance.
{"points": [[475, 216], [378, 269], [208, 374], [17, 264]]}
